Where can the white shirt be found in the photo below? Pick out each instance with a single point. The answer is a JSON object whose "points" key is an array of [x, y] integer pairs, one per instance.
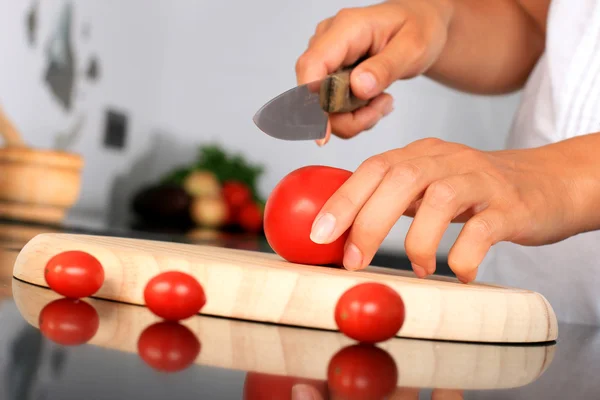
{"points": [[561, 100]]}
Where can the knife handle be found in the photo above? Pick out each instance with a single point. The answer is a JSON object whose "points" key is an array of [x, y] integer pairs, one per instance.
{"points": [[335, 95]]}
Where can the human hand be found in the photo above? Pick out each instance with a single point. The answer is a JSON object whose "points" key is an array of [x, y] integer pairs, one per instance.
{"points": [[521, 196], [302, 391], [403, 38], [403, 393], [307, 392]]}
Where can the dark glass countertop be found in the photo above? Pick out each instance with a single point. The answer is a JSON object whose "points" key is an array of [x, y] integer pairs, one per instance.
{"points": [[129, 353]]}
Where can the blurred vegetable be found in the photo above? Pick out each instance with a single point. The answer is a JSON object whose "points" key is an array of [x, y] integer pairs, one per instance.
{"points": [[226, 167], [202, 183], [218, 190], [250, 217], [236, 194], [164, 203], [210, 212]]}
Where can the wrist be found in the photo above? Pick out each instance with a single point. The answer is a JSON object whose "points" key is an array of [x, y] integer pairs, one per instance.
{"points": [[445, 14], [443, 11], [446, 9]]}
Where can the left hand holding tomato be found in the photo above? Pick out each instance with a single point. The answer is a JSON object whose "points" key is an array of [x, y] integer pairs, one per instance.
{"points": [[522, 196]]}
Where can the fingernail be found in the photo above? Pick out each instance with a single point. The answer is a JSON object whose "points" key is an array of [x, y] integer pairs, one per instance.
{"points": [[352, 258], [367, 82], [323, 142], [388, 108], [302, 392], [322, 228], [419, 271]]}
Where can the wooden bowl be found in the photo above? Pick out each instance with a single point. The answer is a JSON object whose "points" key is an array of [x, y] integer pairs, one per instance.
{"points": [[38, 185]]}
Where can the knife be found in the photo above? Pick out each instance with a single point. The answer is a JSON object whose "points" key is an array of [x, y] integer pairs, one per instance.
{"points": [[301, 113]]}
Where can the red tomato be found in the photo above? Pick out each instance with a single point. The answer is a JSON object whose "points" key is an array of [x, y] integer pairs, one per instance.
{"points": [[174, 295], [69, 322], [236, 193], [259, 386], [252, 244], [74, 274], [291, 210], [362, 372], [232, 215], [370, 312], [168, 346], [250, 217]]}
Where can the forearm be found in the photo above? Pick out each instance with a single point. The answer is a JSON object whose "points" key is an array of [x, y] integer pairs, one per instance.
{"points": [[492, 46], [577, 161]]}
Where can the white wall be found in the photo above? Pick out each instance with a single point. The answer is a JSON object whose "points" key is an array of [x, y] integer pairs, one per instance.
{"points": [[191, 71]]}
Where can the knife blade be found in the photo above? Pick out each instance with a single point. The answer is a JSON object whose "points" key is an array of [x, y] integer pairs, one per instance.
{"points": [[301, 113]]}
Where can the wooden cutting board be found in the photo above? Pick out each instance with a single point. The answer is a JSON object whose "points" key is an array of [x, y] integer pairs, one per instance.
{"points": [[306, 353], [263, 287]]}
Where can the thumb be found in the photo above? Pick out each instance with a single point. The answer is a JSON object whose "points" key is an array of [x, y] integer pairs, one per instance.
{"points": [[401, 58]]}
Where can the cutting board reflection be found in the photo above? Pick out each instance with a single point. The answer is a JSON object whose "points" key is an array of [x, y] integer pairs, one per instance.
{"points": [[263, 287], [307, 353]]}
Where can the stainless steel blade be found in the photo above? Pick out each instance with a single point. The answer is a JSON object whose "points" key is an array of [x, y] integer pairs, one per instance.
{"points": [[294, 115]]}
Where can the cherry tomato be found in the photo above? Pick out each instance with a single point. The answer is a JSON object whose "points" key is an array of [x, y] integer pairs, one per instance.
{"points": [[232, 215], [69, 322], [168, 346], [252, 244], [291, 210], [250, 217], [174, 295], [370, 312], [259, 386], [74, 274], [362, 371], [236, 193]]}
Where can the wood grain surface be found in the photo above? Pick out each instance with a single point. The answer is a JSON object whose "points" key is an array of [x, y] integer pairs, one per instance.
{"points": [[35, 184], [38, 185], [8, 131], [306, 353], [15, 235], [263, 287], [7, 261]]}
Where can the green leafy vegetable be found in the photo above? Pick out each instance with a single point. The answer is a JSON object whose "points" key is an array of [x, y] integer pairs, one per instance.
{"points": [[226, 167]]}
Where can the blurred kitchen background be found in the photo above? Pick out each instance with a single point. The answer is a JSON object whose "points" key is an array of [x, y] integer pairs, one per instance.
{"points": [[137, 87]]}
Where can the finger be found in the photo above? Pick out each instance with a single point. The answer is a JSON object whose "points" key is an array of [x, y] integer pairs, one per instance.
{"points": [[404, 182], [325, 140], [302, 391], [475, 239], [447, 394], [404, 56], [338, 213], [403, 393], [321, 27], [345, 40], [348, 125], [442, 202], [412, 210]]}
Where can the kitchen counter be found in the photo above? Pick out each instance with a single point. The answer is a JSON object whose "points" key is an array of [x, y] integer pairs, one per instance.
{"points": [[218, 358]]}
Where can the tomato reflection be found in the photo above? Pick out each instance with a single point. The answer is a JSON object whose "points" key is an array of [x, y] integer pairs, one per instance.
{"points": [[277, 387], [69, 322], [362, 371], [358, 371], [168, 346]]}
